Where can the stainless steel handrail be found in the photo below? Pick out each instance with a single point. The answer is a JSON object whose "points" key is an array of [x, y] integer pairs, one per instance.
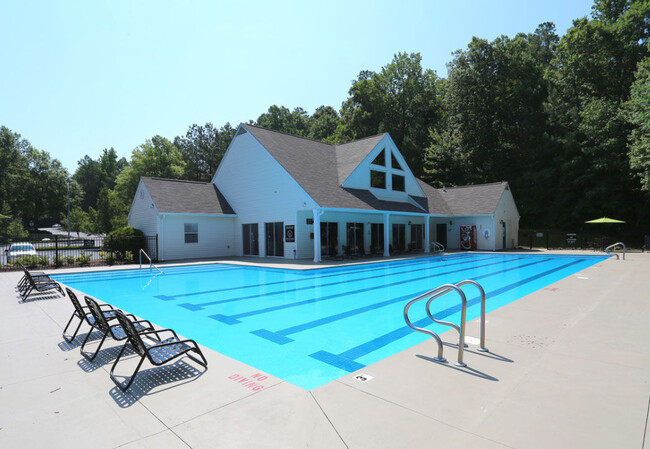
{"points": [[150, 261], [436, 293], [614, 246], [438, 247]]}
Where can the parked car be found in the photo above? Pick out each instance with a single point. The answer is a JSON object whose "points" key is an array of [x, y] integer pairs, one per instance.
{"points": [[17, 250]]}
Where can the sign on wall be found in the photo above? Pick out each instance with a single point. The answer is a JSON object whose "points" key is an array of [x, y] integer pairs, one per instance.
{"points": [[290, 233], [310, 221]]}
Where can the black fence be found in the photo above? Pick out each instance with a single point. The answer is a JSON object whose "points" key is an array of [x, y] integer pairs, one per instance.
{"points": [[55, 251], [563, 239]]}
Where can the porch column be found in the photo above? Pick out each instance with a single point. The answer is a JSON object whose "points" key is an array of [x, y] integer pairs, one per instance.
{"points": [[426, 235], [317, 255], [386, 234]]}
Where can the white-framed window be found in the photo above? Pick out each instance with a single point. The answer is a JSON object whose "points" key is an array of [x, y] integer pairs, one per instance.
{"points": [[191, 233]]}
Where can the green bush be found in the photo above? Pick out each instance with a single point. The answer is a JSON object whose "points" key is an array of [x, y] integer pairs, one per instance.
{"points": [[58, 261], [43, 260], [107, 257], [123, 241], [28, 261], [83, 259], [70, 260]]}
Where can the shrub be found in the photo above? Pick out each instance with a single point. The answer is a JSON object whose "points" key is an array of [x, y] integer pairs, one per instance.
{"points": [[124, 240], [70, 260], [43, 260], [83, 259], [28, 261], [58, 261]]}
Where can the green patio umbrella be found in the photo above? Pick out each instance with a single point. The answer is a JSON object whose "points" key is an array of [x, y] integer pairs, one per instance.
{"points": [[605, 220]]}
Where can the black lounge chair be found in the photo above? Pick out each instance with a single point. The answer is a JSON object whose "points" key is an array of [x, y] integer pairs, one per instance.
{"points": [[158, 353], [41, 284], [101, 323], [36, 275], [82, 313]]}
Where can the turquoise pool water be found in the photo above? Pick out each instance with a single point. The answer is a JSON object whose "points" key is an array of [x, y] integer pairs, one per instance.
{"points": [[313, 326]]}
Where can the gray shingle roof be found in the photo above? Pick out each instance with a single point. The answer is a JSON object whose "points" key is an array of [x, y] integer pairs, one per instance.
{"points": [[188, 197], [320, 169]]}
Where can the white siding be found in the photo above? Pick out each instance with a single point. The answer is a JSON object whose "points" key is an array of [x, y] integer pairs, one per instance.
{"points": [[360, 177], [215, 237], [507, 211], [260, 191], [143, 214]]}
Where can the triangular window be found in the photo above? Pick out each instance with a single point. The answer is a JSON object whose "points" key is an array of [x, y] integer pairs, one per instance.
{"points": [[380, 159], [394, 163]]}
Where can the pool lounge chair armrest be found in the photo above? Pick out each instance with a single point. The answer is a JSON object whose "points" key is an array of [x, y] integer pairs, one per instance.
{"points": [[159, 331]]}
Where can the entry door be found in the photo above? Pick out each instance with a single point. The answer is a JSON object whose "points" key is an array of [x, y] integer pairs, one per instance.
{"points": [[503, 225], [251, 244], [274, 239], [441, 234], [355, 237], [377, 238], [399, 236], [329, 238], [417, 236]]}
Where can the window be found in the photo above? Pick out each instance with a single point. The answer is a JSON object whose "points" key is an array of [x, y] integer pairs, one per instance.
{"points": [[377, 179], [394, 163], [380, 159], [398, 183], [191, 233]]}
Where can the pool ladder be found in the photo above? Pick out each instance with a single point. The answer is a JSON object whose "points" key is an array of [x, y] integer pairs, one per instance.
{"points": [[437, 293], [150, 262], [614, 246], [438, 247]]}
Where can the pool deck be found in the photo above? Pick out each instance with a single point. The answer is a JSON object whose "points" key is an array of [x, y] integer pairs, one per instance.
{"points": [[568, 367]]}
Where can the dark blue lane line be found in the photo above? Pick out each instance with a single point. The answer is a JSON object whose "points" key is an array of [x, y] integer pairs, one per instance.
{"points": [[310, 275], [234, 319], [346, 359], [118, 275], [281, 336], [200, 306]]}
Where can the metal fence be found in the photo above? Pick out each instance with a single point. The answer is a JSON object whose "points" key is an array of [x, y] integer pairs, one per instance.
{"points": [[53, 251], [562, 239]]}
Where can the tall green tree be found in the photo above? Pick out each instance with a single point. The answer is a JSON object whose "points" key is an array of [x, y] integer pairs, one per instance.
{"points": [[639, 116], [157, 157], [280, 118], [401, 99], [203, 148]]}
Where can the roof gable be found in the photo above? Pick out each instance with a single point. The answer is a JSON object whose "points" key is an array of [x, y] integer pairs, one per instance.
{"points": [[188, 197]]}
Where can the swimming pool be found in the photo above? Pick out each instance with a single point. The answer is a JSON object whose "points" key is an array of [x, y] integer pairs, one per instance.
{"points": [[309, 327]]}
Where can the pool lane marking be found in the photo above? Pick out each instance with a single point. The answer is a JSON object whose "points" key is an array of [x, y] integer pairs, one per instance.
{"points": [[200, 306], [281, 336], [234, 319], [347, 360], [304, 278], [131, 274]]}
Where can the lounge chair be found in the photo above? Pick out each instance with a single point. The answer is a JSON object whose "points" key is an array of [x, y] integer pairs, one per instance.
{"points": [[82, 313], [36, 275], [158, 353], [101, 323], [40, 284]]}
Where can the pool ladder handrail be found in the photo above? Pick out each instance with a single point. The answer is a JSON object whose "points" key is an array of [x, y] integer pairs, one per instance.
{"points": [[437, 293], [150, 262], [614, 246], [438, 247]]}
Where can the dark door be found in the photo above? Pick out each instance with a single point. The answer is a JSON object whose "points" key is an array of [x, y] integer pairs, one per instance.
{"points": [[251, 246], [417, 236], [355, 237], [329, 238], [274, 239], [441, 234], [503, 224], [377, 238], [399, 236]]}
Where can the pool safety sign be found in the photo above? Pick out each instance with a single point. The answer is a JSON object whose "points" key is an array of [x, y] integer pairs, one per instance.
{"points": [[290, 233]]}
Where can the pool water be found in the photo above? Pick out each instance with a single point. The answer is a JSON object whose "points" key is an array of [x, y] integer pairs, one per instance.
{"points": [[310, 327]]}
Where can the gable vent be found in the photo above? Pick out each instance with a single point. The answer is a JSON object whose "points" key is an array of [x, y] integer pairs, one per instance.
{"points": [[241, 131]]}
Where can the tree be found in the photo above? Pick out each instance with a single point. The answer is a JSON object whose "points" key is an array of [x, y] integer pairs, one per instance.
{"points": [[279, 118], [401, 99], [79, 221], [203, 148], [323, 124], [157, 157], [638, 109]]}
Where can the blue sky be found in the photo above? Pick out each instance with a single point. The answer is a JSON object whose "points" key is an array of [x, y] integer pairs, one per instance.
{"points": [[80, 76]]}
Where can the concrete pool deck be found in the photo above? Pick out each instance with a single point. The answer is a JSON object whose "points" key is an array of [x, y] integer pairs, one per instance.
{"points": [[569, 366]]}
